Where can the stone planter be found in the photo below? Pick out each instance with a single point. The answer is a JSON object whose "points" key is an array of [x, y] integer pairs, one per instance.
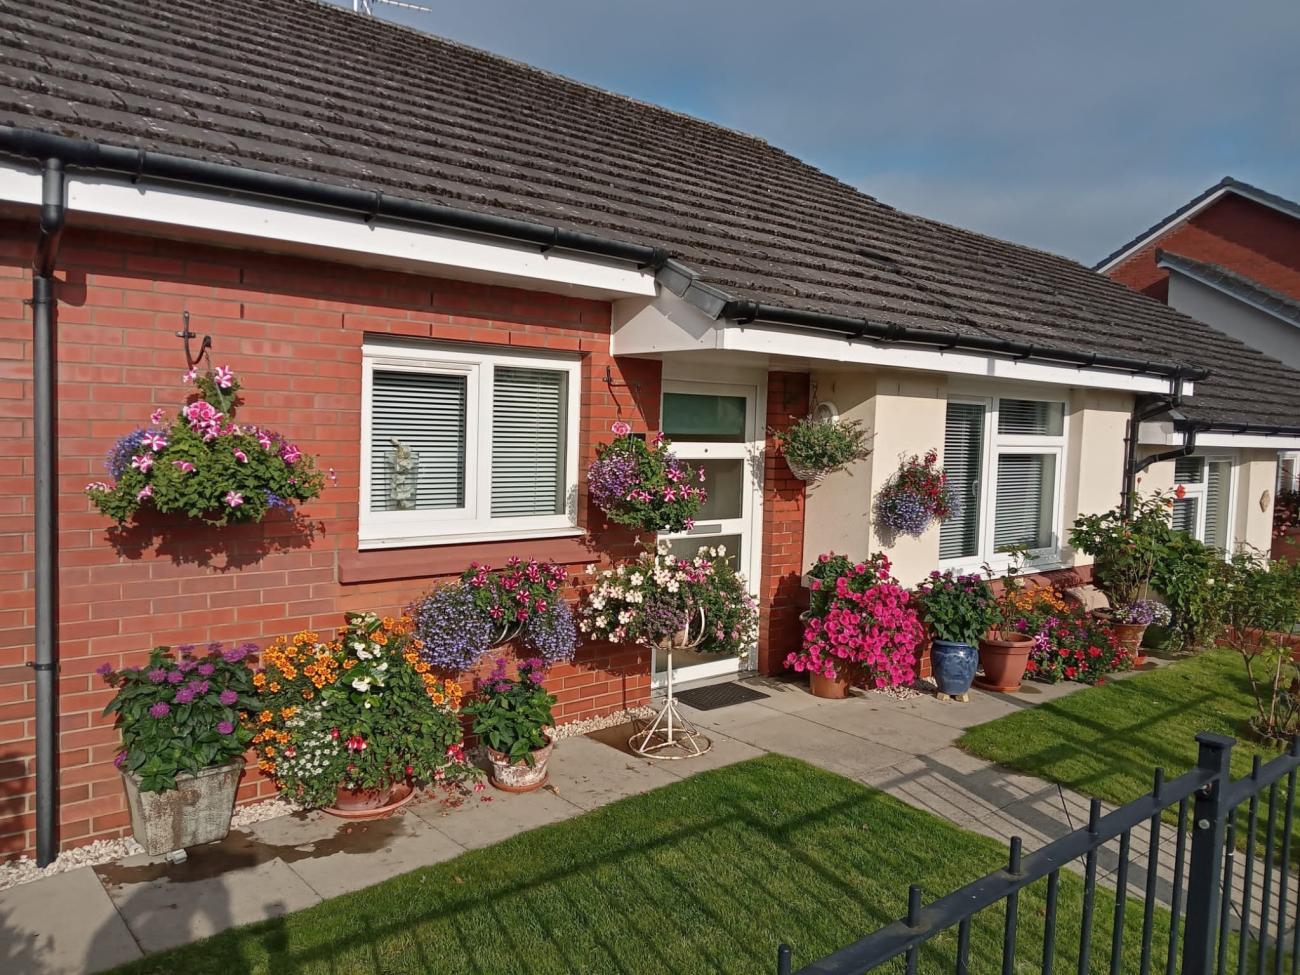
{"points": [[518, 775], [196, 811], [833, 690], [954, 668], [1003, 661]]}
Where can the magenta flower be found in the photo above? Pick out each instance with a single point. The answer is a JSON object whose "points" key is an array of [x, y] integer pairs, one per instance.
{"points": [[175, 677], [290, 453], [234, 499], [142, 462], [228, 697], [190, 375], [224, 376], [225, 728], [241, 456], [144, 492], [119, 759], [161, 709], [104, 669], [154, 441], [621, 429], [185, 695], [206, 670], [157, 675], [263, 440], [157, 416], [184, 466]]}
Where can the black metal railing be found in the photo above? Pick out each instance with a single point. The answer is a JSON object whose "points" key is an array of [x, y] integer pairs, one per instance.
{"points": [[1220, 920]]}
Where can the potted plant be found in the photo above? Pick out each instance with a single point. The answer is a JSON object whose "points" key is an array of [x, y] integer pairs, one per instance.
{"points": [[861, 625], [1004, 649], [352, 725], [1079, 646], [513, 720], [915, 497], [644, 486], [959, 609], [816, 446], [1263, 615], [1129, 623], [459, 622], [183, 740], [204, 464], [1126, 547]]}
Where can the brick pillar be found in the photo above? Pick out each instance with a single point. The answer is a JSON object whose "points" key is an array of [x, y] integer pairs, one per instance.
{"points": [[780, 595]]}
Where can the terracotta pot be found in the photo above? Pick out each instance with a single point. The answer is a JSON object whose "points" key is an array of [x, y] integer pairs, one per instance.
{"points": [[196, 811], [1130, 636], [1004, 662], [518, 775], [833, 690], [370, 803]]}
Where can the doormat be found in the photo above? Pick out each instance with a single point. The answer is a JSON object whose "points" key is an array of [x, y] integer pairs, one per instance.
{"points": [[716, 696]]}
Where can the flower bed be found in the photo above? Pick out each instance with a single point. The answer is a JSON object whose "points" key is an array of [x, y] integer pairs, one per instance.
{"points": [[1071, 644]]}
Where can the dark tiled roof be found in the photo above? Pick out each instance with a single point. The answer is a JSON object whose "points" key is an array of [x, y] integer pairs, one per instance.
{"points": [[1237, 285], [300, 88]]}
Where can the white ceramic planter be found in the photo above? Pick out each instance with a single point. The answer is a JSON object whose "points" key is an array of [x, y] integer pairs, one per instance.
{"points": [[197, 811], [519, 776]]}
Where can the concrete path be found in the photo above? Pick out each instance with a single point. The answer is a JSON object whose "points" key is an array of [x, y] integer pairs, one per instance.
{"points": [[92, 919]]}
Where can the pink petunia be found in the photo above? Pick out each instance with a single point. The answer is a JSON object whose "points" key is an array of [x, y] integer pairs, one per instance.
{"points": [[157, 416], [234, 499], [241, 456], [290, 453], [142, 463], [621, 428], [154, 441], [184, 466], [190, 375], [144, 492], [224, 376]]}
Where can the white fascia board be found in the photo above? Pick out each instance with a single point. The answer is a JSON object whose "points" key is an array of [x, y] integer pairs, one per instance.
{"points": [[807, 344], [287, 229], [1220, 288], [666, 323], [1163, 434]]}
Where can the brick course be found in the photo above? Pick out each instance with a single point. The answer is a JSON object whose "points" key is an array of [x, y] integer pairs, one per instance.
{"points": [[292, 329]]}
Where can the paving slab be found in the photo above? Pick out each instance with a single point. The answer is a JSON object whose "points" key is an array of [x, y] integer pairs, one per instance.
{"points": [[590, 774], [476, 823], [335, 856], [166, 905], [837, 751], [62, 925], [725, 751], [887, 726]]}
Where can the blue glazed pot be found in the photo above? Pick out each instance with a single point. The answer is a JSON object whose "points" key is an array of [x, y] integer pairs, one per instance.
{"points": [[954, 666]]}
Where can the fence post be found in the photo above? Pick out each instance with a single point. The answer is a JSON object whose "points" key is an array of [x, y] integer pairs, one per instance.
{"points": [[1209, 818], [783, 960]]}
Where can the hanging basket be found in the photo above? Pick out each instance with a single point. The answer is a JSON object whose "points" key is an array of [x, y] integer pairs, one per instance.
{"points": [[810, 474]]}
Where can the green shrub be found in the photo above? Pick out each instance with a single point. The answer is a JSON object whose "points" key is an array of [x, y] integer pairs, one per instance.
{"points": [[1192, 578], [822, 446]]}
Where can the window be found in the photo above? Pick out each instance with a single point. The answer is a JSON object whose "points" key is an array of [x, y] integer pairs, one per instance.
{"points": [[1204, 510], [461, 444], [1003, 459]]}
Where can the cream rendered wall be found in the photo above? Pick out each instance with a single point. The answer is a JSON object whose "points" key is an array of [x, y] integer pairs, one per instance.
{"points": [[1094, 459], [904, 414], [1254, 481]]}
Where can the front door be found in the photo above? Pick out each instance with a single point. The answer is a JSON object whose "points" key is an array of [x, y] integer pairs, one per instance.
{"points": [[714, 427]]}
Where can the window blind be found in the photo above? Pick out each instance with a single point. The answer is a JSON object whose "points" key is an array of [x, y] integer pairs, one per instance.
{"points": [[528, 442], [417, 441], [1189, 470], [1184, 515], [963, 457], [1022, 508], [1027, 417], [1217, 480]]}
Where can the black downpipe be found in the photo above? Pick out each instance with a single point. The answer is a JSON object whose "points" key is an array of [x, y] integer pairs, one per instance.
{"points": [[47, 509], [366, 204]]}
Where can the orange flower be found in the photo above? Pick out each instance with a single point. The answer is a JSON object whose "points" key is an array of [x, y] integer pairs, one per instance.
{"points": [[422, 668], [270, 751], [265, 717], [288, 712], [349, 664], [275, 687], [307, 695], [259, 679], [437, 697]]}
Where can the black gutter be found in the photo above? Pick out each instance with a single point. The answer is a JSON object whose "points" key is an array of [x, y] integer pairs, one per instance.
{"points": [[744, 312], [50, 231], [367, 204]]}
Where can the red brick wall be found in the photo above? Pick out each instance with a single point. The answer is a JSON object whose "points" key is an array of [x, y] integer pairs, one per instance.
{"points": [[1234, 232], [292, 330], [783, 507]]}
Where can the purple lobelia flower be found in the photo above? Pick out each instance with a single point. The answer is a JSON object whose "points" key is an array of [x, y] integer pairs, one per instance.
{"points": [[453, 630], [552, 634], [118, 461], [610, 478]]}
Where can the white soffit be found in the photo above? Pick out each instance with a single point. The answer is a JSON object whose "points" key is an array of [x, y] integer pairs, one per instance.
{"points": [[227, 220], [1163, 434]]}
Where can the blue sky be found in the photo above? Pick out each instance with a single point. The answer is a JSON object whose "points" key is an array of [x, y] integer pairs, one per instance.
{"points": [[1067, 126]]}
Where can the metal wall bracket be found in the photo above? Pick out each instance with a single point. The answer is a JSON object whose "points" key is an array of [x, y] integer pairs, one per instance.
{"points": [[613, 384], [204, 347]]}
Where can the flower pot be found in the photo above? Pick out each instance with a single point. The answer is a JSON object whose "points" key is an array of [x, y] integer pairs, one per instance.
{"points": [[370, 803], [518, 775], [833, 690], [954, 667], [810, 474], [1129, 636], [1004, 662], [196, 811]]}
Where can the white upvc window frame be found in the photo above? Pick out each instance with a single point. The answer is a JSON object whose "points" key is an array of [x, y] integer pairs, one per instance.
{"points": [[473, 522], [1200, 493], [994, 446]]}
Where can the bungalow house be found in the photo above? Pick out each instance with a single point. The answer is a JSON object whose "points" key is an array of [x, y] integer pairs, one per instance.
{"points": [[1230, 257], [387, 234]]}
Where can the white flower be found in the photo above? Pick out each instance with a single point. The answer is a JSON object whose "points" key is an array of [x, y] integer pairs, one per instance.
{"points": [[367, 703], [601, 621], [361, 684], [363, 654], [673, 585], [637, 578], [722, 550], [381, 666]]}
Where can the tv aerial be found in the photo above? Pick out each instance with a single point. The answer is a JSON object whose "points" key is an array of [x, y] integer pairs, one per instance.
{"points": [[367, 7]]}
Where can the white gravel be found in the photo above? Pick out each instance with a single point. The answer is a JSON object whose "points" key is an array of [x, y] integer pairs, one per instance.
{"points": [[587, 725], [24, 869]]}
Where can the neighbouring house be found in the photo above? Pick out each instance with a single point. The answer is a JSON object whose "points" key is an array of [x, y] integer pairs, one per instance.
{"points": [[387, 234], [1230, 257]]}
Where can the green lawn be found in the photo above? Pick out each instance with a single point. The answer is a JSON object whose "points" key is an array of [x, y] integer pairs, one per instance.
{"points": [[1106, 741], [706, 875]]}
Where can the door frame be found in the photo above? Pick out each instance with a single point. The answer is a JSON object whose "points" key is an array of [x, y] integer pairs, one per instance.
{"points": [[752, 384]]}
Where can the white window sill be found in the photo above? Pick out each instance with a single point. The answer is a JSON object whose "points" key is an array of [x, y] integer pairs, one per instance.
{"points": [[465, 538]]}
